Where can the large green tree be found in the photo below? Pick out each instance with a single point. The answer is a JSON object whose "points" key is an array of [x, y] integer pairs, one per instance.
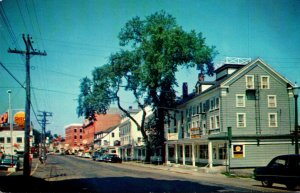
{"points": [[153, 51]]}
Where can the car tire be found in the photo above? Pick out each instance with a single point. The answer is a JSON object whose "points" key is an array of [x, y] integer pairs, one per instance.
{"points": [[266, 183]]}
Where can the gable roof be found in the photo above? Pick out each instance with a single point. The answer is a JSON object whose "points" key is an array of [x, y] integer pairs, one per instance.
{"points": [[249, 66]]}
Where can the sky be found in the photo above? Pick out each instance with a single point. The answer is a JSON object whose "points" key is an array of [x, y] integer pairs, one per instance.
{"points": [[79, 35]]}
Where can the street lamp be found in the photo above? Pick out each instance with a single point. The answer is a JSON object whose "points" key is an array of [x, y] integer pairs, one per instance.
{"points": [[10, 122], [296, 93]]}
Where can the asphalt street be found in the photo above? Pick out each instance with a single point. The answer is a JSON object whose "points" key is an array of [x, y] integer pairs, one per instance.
{"points": [[75, 174]]}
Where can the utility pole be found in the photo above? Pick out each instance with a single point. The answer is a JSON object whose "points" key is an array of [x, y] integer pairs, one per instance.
{"points": [[44, 120], [29, 52]]}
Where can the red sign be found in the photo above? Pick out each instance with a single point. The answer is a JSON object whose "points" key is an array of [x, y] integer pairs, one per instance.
{"points": [[4, 118]]}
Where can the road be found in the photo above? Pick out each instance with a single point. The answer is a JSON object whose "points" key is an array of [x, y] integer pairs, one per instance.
{"points": [[80, 174]]}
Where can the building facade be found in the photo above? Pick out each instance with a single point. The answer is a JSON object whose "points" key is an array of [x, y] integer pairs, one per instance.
{"points": [[101, 123], [74, 137], [242, 119], [131, 139]]}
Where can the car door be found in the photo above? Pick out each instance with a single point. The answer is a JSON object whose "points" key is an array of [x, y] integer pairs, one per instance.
{"points": [[277, 169]]}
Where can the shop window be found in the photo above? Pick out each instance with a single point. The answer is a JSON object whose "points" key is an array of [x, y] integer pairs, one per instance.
{"points": [[203, 151], [19, 140], [238, 151], [187, 151], [223, 152]]}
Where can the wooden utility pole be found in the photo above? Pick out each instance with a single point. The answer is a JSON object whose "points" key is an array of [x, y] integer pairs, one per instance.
{"points": [[29, 51], [44, 121]]}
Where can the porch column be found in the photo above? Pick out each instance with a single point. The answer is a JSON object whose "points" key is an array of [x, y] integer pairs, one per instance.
{"points": [[193, 154], [176, 153], [167, 153], [210, 154], [183, 154]]}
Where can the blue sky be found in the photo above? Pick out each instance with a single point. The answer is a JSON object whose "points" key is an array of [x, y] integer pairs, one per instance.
{"points": [[79, 35]]}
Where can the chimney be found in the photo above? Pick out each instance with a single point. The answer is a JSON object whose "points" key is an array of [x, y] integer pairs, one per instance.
{"points": [[201, 77], [184, 90]]}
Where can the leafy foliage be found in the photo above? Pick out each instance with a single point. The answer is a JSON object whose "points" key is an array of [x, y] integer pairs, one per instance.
{"points": [[155, 49]]}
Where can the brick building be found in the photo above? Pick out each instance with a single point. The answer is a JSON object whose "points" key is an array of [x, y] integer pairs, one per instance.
{"points": [[74, 136], [102, 123]]}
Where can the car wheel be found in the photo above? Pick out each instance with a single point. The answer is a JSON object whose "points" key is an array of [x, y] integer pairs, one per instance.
{"points": [[267, 183], [291, 186]]}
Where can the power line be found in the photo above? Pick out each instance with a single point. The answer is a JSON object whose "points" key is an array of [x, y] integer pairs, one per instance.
{"points": [[29, 52], [12, 75]]}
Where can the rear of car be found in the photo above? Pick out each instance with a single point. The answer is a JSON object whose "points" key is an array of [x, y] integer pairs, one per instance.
{"points": [[284, 169], [10, 161], [113, 158]]}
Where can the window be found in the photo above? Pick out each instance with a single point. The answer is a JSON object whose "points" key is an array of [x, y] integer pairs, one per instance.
{"points": [[212, 104], [217, 119], [8, 140], [203, 151], [19, 139], [250, 82], [217, 103], [75, 130], [264, 82], [112, 135], [212, 122], [80, 137], [238, 151], [223, 151], [272, 119], [1, 139], [272, 101], [240, 100], [241, 119], [187, 151], [75, 137]]}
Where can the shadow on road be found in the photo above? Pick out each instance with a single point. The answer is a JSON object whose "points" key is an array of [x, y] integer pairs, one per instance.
{"points": [[103, 185]]}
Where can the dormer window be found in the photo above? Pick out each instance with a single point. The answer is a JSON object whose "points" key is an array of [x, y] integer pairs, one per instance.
{"points": [[249, 82]]}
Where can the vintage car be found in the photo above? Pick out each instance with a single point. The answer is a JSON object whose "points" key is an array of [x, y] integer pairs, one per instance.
{"points": [[283, 169], [10, 161]]}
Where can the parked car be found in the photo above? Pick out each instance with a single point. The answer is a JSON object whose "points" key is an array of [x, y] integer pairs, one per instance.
{"points": [[86, 155], [10, 161], [101, 157], [283, 169], [113, 158], [95, 154]]}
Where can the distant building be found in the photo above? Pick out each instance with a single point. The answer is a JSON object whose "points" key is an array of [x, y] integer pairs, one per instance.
{"points": [[102, 122], [74, 137]]}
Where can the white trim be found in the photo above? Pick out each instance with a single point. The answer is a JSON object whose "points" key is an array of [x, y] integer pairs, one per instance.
{"points": [[275, 101], [223, 85], [249, 86], [236, 100], [261, 82], [237, 120], [269, 120]]}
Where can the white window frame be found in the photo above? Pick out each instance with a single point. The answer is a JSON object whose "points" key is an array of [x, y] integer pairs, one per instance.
{"points": [[269, 120], [268, 82], [247, 83], [237, 120], [237, 100], [275, 101]]}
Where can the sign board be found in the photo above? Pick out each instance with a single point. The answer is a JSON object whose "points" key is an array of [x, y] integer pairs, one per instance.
{"points": [[195, 132], [20, 118], [4, 118], [172, 136]]}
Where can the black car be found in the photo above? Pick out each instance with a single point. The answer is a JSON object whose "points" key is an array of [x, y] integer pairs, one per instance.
{"points": [[283, 169], [113, 158]]}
